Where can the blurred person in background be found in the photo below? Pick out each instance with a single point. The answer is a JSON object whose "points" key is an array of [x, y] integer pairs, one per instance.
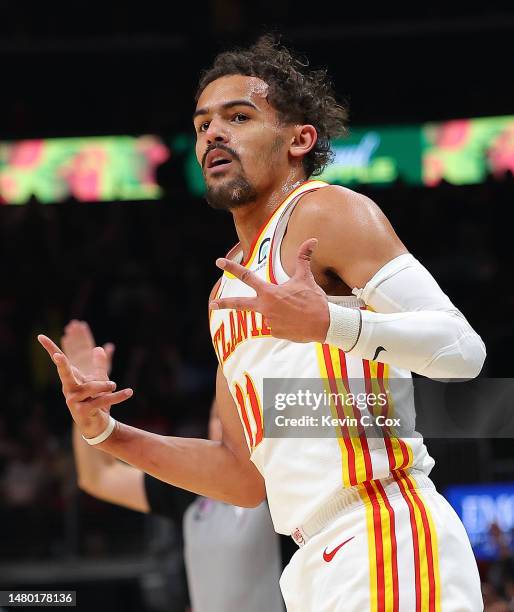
{"points": [[231, 554], [500, 576]]}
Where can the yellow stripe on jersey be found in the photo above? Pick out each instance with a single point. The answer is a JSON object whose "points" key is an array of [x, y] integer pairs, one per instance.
{"points": [[400, 447], [356, 442], [389, 552], [431, 545], [342, 445], [372, 557], [382, 548], [425, 546]]}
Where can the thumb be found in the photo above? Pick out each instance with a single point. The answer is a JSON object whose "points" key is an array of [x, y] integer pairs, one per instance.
{"points": [[303, 259], [100, 364]]}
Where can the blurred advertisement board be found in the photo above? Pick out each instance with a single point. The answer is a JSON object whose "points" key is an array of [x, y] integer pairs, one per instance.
{"points": [[487, 512], [89, 169], [460, 152], [377, 156], [465, 151], [107, 168]]}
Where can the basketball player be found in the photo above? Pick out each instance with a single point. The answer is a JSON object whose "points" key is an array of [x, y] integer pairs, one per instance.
{"points": [[373, 532], [217, 536]]}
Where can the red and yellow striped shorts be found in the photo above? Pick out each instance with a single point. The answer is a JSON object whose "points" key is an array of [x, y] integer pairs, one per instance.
{"points": [[400, 547]]}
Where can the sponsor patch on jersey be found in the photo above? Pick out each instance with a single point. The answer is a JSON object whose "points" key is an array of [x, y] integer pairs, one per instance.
{"points": [[263, 250]]}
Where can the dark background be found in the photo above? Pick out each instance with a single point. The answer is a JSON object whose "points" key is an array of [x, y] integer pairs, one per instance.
{"points": [[140, 273]]}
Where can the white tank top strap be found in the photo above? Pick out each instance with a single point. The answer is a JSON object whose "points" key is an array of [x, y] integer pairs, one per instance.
{"points": [[276, 271]]}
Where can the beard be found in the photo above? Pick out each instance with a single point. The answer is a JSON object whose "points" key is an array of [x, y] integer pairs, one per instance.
{"points": [[231, 194]]}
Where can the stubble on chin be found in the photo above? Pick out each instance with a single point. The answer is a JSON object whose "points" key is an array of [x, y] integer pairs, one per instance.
{"points": [[230, 195]]}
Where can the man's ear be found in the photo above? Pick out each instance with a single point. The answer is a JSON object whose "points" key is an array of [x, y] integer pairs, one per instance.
{"points": [[303, 140]]}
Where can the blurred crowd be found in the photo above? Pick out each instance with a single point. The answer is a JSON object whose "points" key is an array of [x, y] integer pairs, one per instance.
{"points": [[140, 274]]}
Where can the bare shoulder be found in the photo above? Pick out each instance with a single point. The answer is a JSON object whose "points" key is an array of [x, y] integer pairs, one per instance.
{"points": [[355, 238], [337, 203]]}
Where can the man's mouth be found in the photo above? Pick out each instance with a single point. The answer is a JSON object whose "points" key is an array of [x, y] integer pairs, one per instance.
{"points": [[217, 159]]}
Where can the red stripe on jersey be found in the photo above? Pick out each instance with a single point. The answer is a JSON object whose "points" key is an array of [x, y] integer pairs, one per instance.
{"points": [[379, 547], [340, 413], [415, 539], [394, 547], [360, 428], [428, 542], [244, 416]]}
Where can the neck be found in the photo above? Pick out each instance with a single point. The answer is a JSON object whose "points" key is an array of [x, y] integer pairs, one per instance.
{"points": [[250, 219]]}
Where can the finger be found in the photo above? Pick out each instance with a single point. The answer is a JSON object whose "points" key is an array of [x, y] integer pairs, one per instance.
{"points": [[68, 339], [243, 274], [49, 345], [91, 390], [86, 334], [67, 328], [100, 364], [79, 377], [106, 401], [236, 303], [70, 325], [77, 337], [303, 259], [64, 369], [109, 349]]}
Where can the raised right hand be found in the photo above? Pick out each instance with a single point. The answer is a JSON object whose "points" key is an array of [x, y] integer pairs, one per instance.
{"points": [[89, 397]]}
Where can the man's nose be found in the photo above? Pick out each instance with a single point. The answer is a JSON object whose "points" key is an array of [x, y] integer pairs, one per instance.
{"points": [[215, 133]]}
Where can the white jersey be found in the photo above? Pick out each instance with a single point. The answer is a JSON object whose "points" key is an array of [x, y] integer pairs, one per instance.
{"points": [[301, 474]]}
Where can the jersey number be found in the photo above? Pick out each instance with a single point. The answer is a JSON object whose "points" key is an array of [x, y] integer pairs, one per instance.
{"points": [[250, 410]]}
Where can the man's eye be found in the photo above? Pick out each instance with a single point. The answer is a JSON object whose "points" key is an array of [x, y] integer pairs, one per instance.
{"points": [[203, 126], [240, 118]]}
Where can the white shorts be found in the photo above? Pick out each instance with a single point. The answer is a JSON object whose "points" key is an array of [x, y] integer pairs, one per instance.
{"points": [[399, 548]]}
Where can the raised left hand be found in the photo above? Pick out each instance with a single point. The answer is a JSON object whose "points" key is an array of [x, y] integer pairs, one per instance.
{"points": [[296, 311], [89, 397]]}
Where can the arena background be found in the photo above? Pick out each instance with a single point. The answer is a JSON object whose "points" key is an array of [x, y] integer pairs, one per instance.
{"points": [[139, 269]]}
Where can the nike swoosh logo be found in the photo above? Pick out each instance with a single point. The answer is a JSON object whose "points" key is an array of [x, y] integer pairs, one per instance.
{"points": [[379, 349], [328, 556]]}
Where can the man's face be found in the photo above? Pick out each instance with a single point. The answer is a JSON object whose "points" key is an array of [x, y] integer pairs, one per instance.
{"points": [[240, 142]]}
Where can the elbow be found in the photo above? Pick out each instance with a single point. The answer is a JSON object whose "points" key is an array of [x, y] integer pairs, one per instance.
{"points": [[252, 500], [82, 484], [250, 494], [462, 360], [473, 357], [90, 487]]}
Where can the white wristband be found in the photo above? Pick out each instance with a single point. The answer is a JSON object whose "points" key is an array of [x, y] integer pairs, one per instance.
{"points": [[344, 328], [104, 435]]}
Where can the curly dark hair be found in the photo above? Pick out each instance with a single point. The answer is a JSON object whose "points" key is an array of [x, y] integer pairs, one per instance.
{"points": [[299, 94]]}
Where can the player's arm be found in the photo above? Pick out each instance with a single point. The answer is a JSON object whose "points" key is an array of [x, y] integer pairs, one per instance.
{"points": [[219, 470], [99, 474], [343, 234], [102, 476], [415, 325]]}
